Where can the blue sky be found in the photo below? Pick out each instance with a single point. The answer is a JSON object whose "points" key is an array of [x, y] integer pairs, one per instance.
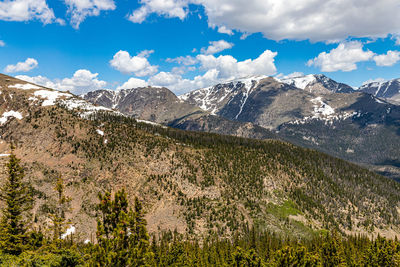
{"points": [[82, 45]]}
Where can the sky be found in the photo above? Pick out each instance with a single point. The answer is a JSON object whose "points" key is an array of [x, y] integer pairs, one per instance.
{"points": [[85, 45]]}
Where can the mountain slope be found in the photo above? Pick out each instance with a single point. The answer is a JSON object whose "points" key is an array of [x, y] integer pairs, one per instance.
{"points": [[149, 103], [389, 90], [189, 181]]}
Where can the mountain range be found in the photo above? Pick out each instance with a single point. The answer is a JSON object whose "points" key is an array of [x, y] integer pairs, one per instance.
{"points": [[312, 111], [193, 182]]}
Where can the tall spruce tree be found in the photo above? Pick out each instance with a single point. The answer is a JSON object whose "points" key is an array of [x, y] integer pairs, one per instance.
{"points": [[122, 238], [17, 200], [58, 215]]}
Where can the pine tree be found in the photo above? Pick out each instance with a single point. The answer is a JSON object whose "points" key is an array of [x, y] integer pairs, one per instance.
{"points": [[13, 232], [295, 256], [58, 216], [121, 234], [141, 254], [248, 258], [332, 251]]}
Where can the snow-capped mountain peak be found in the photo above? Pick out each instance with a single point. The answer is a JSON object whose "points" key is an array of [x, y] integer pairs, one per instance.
{"points": [[317, 83], [389, 90], [300, 81], [214, 97]]}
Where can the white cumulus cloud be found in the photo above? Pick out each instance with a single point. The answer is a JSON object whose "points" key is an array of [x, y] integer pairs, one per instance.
{"points": [[180, 85], [165, 79], [216, 47], [39, 80], [187, 60], [344, 58], [317, 20], [225, 30], [133, 83], [81, 82], [2, 43], [388, 59], [290, 75], [27, 65], [80, 9], [167, 8], [139, 65], [216, 69], [228, 67], [25, 10]]}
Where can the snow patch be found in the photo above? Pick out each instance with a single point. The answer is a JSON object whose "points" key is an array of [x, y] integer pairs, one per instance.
{"points": [[11, 113], [151, 123], [322, 111], [69, 231], [100, 132], [50, 96], [25, 86], [377, 100], [32, 98], [249, 84], [300, 82], [321, 108]]}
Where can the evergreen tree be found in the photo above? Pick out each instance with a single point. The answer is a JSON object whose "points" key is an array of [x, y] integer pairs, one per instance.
{"points": [[58, 216], [121, 234], [332, 251], [249, 258], [13, 232], [295, 256]]}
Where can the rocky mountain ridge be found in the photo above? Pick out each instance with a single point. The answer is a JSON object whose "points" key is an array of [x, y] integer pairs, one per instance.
{"points": [[147, 103], [388, 90], [318, 83]]}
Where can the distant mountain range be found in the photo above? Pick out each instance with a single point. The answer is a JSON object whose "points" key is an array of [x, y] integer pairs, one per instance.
{"points": [[312, 111]]}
